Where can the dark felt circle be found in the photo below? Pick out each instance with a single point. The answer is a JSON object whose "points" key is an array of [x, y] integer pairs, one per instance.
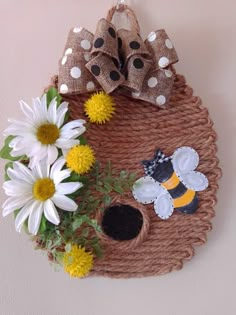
{"points": [[138, 63], [115, 76], [122, 222], [99, 42], [134, 45], [95, 70], [112, 32]]}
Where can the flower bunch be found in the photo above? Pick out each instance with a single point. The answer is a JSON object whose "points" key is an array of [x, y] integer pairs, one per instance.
{"points": [[45, 153], [53, 182]]}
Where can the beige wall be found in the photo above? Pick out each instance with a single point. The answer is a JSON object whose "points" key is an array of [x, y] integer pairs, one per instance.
{"points": [[33, 35]]}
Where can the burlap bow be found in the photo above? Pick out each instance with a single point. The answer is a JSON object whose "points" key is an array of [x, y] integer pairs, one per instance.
{"points": [[118, 60]]}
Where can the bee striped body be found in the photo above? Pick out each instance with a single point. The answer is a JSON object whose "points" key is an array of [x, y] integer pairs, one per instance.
{"points": [[184, 199]]}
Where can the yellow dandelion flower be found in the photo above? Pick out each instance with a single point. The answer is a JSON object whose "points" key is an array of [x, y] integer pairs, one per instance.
{"points": [[99, 108], [77, 262], [80, 158]]}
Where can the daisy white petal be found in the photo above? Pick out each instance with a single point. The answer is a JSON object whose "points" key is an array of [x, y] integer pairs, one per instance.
{"points": [[17, 153], [40, 117], [41, 169], [43, 102], [16, 188], [66, 143], [14, 130], [21, 123], [52, 154], [52, 111], [23, 215], [61, 112], [14, 203], [74, 124], [35, 217], [72, 134], [57, 166], [24, 173], [64, 202], [60, 176], [15, 175], [27, 110], [68, 188], [50, 212]]}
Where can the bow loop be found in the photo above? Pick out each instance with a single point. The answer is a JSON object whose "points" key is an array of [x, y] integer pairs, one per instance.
{"points": [[131, 44], [160, 46], [105, 40]]}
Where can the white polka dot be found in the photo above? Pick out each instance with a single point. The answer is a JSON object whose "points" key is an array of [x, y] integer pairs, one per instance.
{"points": [[64, 59], [168, 43], [152, 82], [90, 86], [168, 73], [163, 62], [85, 44], [136, 94], [87, 56], [160, 100], [63, 88], [68, 51], [77, 29], [152, 36], [75, 72]]}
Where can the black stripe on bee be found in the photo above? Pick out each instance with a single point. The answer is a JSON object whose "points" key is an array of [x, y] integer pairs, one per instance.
{"points": [[191, 207], [178, 191]]}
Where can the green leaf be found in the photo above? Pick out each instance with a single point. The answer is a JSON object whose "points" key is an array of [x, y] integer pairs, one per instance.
{"points": [[119, 189], [43, 225], [123, 174], [9, 164], [106, 200], [108, 187], [82, 140], [79, 221], [97, 250], [53, 93], [5, 151], [94, 224], [68, 247]]}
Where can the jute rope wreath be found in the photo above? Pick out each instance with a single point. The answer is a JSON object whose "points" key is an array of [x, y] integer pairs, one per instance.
{"points": [[125, 185]]}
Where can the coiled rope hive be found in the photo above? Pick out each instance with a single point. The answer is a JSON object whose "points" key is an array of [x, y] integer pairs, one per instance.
{"points": [[133, 135]]}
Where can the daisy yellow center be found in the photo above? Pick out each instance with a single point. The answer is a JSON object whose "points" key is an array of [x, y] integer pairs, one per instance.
{"points": [[48, 133], [78, 262], [99, 108], [80, 158], [43, 189]]}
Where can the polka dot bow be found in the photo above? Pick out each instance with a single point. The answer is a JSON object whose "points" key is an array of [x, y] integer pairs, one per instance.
{"points": [[118, 60]]}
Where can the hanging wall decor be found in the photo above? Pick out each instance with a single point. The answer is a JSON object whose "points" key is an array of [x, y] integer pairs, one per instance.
{"points": [[113, 169]]}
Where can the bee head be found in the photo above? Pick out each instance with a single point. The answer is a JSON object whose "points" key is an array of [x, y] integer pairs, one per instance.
{"points": [[150, 166]]}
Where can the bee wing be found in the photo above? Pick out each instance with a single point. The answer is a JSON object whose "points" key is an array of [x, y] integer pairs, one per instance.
{"points": [[185, 160], [195, 181], [163, 205], [146, 190]]}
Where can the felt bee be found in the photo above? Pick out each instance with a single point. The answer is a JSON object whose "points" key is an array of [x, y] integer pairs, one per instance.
{"points": [[171, 182]]}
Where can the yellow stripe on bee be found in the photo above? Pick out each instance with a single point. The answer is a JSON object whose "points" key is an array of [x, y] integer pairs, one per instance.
{"points": [[185, 199], [172, 182]]}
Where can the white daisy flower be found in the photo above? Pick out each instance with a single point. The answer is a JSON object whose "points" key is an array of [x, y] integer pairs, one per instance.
{"points": [[38, 191], [41, 133]]}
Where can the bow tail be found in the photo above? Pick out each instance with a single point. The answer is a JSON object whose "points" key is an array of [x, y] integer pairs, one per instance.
{"points": [[157, 87]]}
